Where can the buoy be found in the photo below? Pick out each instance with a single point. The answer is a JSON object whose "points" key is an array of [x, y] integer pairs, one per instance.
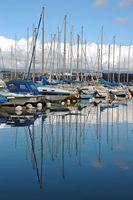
{"points": [[74, 101], [68, 102], [63, 103], [48, 105], [39, 106], [29, 106]]}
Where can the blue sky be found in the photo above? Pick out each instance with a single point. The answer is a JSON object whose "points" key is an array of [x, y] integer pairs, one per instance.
{"points": [[115, 15]]}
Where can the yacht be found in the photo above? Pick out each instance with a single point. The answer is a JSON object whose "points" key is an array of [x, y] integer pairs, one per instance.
{"points": [[22, 92]]}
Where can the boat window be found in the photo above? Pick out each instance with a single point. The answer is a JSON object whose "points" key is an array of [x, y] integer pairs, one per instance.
{"points": [[23, 87], [12, 86], [33, 87]]}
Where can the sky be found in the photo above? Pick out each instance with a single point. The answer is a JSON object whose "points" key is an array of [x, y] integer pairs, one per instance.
{"points": [[115, 15]]}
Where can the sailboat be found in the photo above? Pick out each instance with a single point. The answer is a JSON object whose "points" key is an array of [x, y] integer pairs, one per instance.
{"points": [[22, 92], [120, 91], [51, 93], [54, 94]]}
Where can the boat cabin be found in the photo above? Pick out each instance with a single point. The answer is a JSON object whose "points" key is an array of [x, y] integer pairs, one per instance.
{"points": [[22, 87]]}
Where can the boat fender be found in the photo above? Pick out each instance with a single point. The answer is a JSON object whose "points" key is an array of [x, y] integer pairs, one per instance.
{"points": [[29, 106], [18, 108], [18, 112], [39, 106], [68, 102]]}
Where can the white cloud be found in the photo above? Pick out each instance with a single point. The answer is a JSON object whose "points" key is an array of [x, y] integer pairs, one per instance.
{"points": [[5, 43], [53, 62], [100, 2], [125, 3], [121, 20]]}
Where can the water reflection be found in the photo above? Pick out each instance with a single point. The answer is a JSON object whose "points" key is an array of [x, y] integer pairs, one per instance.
{"points": [[70, 145]]}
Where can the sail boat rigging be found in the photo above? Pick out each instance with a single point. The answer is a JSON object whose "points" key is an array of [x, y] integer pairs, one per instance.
{"points": [[34, 46]]}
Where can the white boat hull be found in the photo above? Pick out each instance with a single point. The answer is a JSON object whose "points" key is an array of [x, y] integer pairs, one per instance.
{"points": [[54, 94], [23, 99], [56, 98]]}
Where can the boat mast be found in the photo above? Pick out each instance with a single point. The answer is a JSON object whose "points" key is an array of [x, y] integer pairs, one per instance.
{"points": [[71, 50], [85, 60], [58, 53], [11, 60], [82, 35], [128, 62], [64, 58], [109, 63], [53, 60], [101, 49], [33, 51], [43, 43], [98, 59], [34, 58], [27, 46], [113, 57], [16, 63], [27, 53], [119, 63], [124, 75], [78, 38], [51, 56]]}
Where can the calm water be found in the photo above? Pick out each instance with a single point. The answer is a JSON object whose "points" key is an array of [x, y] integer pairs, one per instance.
{"points": [[86, 153]]}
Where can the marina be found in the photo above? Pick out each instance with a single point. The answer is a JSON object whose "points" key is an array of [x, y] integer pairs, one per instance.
{"points": [[66, 110]]}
